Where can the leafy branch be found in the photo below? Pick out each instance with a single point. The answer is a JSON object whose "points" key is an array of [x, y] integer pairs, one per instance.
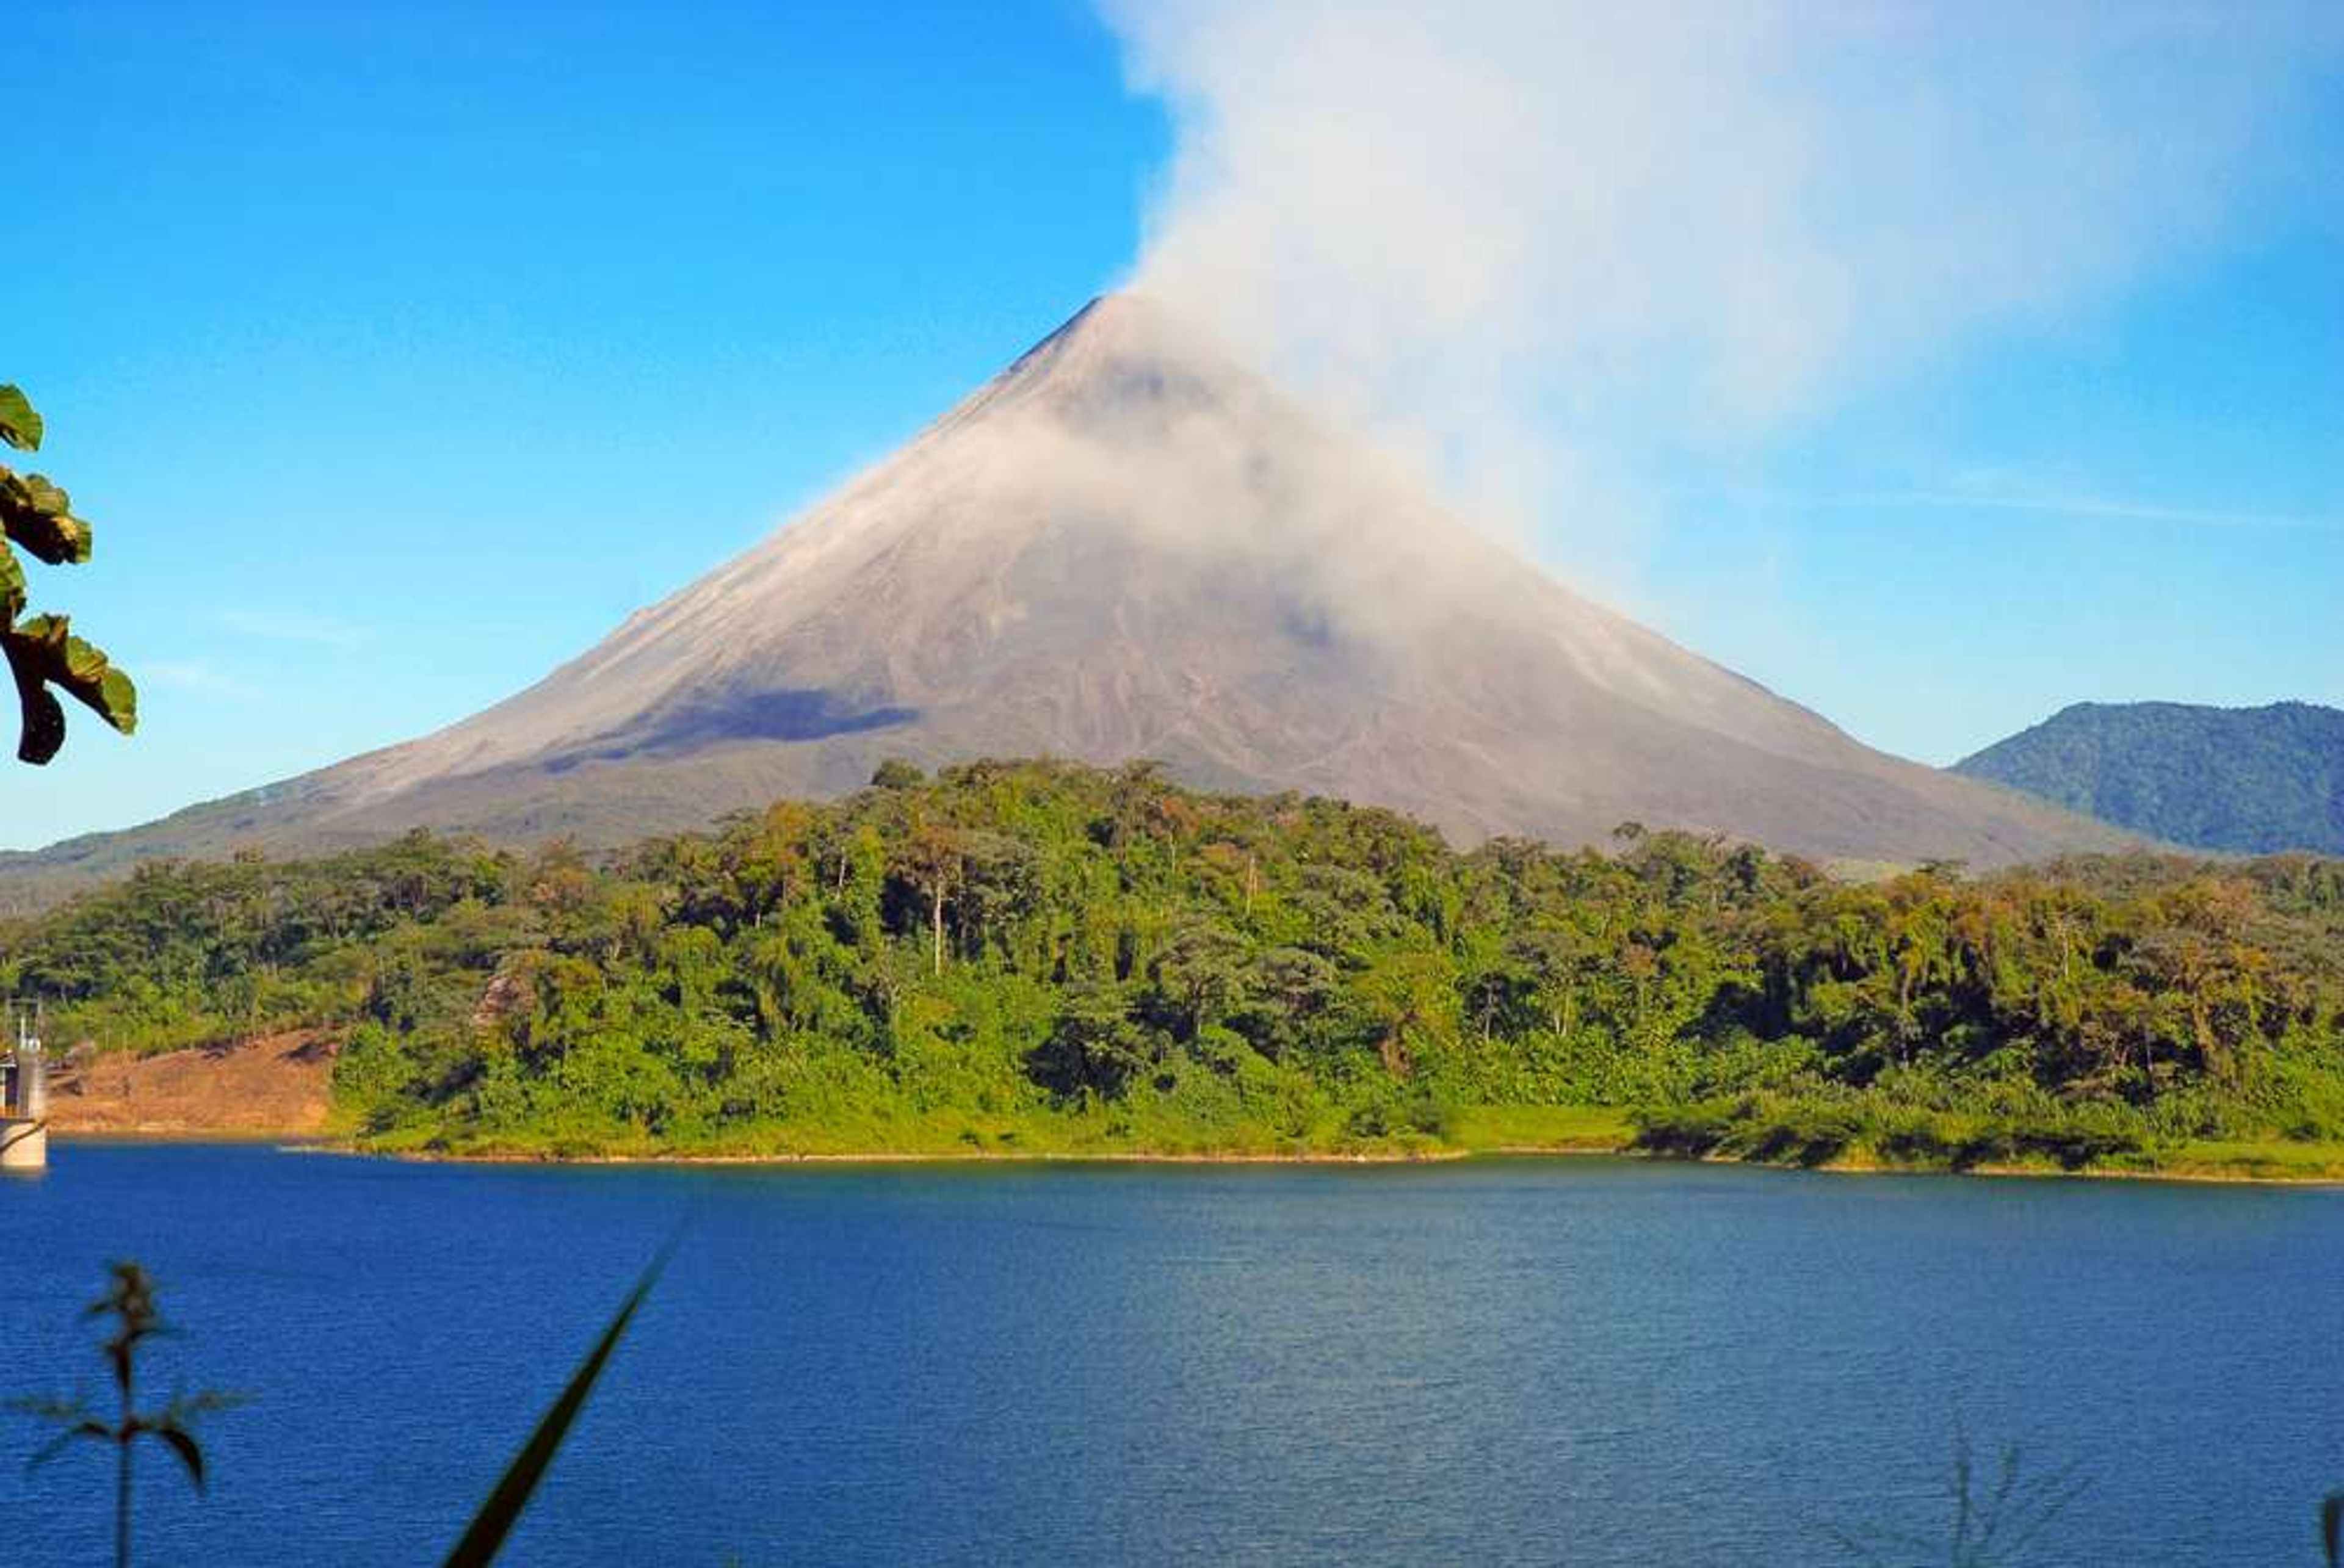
{"points": [[36, 517]]}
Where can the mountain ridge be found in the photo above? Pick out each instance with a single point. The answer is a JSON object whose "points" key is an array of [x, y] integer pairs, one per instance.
{"points": [[2253, 780]]}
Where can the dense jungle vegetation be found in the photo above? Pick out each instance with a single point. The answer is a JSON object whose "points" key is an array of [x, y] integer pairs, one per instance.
{"points": [[1039, 956]]}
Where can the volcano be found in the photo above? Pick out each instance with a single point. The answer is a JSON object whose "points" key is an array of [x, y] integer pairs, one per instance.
{"points": [[1127, 545]]}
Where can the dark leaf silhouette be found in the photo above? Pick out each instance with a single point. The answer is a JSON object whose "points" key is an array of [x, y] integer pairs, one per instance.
{"points": [[486, 1535], [130, 1300], [190, 1454]]}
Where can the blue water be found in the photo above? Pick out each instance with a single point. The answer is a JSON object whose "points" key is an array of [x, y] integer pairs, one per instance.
{"points": [[1569, 1362]]}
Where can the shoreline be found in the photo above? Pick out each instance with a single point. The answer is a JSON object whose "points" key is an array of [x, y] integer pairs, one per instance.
{"points": [[296, 1141]]}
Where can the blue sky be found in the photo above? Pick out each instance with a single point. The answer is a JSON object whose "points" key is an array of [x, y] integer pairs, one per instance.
{"points": [[400, 351]]}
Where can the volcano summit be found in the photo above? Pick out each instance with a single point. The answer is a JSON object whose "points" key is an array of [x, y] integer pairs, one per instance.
{"points": [[1127, 546]]}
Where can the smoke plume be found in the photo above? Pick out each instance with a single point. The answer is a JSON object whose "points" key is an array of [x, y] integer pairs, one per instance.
{"points": [[1538, 246]]}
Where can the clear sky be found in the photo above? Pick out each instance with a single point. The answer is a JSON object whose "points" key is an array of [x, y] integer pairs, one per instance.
{"points": [[399, 350]]}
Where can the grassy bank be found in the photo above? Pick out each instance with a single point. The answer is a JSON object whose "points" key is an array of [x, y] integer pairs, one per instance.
{"points": [[1859, 1133], [1467, 1132]]}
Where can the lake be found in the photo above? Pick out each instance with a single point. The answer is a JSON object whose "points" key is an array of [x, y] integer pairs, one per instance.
{"points": [[1581, 1362]]}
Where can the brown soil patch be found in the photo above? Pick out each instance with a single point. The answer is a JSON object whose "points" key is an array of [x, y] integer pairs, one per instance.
{"points": [[274, 1085]]}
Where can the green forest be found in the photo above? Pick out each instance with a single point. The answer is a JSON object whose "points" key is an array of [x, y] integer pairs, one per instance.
{"points": [[2241, 780], [1038, 957]]}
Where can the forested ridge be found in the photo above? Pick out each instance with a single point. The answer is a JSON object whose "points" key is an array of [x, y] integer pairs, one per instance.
{"points": [[2248, 780], [1039, 956]]}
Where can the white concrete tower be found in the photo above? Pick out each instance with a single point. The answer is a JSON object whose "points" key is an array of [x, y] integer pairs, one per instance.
{"points": [[25, 1097]]}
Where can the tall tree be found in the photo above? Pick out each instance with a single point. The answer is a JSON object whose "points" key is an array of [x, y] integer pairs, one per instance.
{"points": [[934, 859]]}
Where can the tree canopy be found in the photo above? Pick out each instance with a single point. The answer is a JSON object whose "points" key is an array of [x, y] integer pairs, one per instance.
{"points": [[1009, 954], [2248, 780]]}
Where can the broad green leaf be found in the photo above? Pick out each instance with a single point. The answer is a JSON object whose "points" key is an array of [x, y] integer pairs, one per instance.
{"points": [[118, 700], [37, 515], [42, 651], [20, 423], [12, 586], [486, 1537], [43, 629], [72, 541], [83, 661]]}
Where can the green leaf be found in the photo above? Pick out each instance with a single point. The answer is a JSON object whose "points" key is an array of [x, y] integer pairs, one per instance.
{"points": [[42, 652], [44, 494], [38, 515], [20, 423], [12, 586], [83, 661], [486, 1537], [117, 702]]}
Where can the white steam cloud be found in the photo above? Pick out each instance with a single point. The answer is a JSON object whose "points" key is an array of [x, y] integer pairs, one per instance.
{"points": [[1538, 245]]}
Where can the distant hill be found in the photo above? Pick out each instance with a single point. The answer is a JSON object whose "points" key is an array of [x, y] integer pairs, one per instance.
{"points": [[2253, 780]]}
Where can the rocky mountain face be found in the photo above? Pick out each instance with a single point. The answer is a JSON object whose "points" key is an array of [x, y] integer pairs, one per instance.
{"points": [[1127, 546], [2252, 780]]}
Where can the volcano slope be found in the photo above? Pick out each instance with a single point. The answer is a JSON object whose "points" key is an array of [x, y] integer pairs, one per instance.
{"points": [[1129, 546]]}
